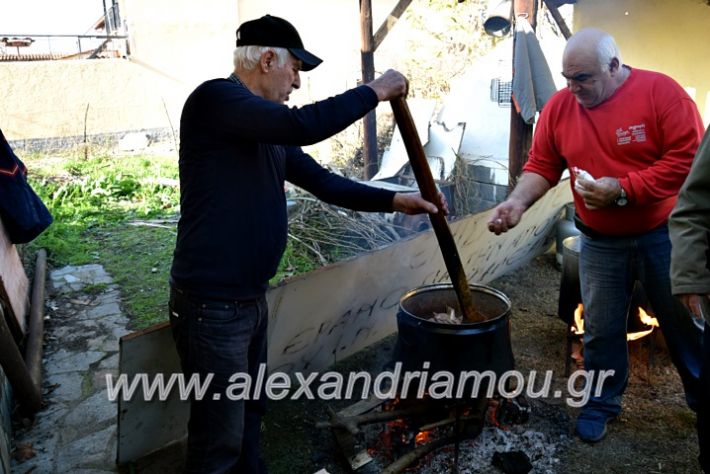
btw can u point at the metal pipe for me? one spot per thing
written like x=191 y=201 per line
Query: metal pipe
x=35 y=333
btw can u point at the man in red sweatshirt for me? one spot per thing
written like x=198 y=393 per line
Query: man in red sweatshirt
x=628 y=136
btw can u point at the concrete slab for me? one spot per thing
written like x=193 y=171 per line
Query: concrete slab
x=85 y=452
x=94 y=410
x=68 y=386
x=65 y=361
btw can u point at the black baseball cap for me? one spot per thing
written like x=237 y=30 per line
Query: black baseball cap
x=274 y=31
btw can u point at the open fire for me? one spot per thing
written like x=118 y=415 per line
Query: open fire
x=424 y=426
x=401 y=435
x=644 y=320
x=639 y=326
x=427 y=436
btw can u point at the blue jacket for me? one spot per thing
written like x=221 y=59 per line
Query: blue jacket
x=23 y=213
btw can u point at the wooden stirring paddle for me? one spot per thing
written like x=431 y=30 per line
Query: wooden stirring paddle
x=427 y=187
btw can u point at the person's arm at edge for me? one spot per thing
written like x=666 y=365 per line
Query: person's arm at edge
x=689 y=230
x=530 y=188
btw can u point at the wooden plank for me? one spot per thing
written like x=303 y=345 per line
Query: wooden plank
x=390 y=21
x=557 y=16
x=14 y=286
x=26 y=392
x=323 y=316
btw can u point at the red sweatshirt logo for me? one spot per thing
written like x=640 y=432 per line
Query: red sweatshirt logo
x=634 y=133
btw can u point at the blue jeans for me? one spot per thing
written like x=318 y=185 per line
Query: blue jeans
x=608 y=268
x=221 y=338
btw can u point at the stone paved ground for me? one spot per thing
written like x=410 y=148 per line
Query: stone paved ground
x=76 y=430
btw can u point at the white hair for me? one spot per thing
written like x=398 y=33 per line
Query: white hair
x=606 y=51
x=247 y=57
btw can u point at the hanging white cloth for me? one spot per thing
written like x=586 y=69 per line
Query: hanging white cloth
x=532 y=80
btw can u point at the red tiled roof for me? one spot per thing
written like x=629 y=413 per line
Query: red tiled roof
x=28 y=57
x=53 y=57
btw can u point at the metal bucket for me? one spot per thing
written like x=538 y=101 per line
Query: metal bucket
x=565 y=229
x=570 y=293
x=453 y=347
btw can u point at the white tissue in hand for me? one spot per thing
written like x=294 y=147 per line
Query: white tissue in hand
x=582 y=174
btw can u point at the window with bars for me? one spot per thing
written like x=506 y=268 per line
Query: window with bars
x=501 y=92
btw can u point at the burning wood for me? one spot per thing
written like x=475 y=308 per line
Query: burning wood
x=447 y=437
x=353 y=423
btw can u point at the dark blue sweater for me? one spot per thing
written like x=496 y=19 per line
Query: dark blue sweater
x=236 y=150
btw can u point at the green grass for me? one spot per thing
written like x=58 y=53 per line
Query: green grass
x=101 y=192
x=138 y=258
x=121 y=212
x=94 y=203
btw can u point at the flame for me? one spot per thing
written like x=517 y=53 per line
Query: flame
x=648 y=321
x=578 y=325
x=422 y=437
x=492 y=413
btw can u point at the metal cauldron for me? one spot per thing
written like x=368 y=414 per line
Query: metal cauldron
x=453 y=347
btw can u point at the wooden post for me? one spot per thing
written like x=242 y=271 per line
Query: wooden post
x=389 y=22
x=370 y=43
x=561 y=24
x=367 y=57
x=520 y=132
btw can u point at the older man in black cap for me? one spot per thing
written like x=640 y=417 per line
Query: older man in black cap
x=238 y=143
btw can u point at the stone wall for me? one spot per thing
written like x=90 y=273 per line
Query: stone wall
x=174 y=45
x=51 y=99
